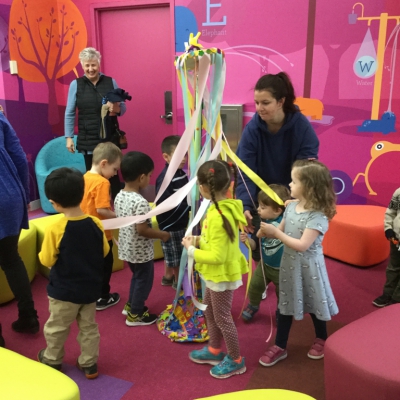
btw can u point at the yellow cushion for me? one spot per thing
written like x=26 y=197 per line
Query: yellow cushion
x=118 y=264
x=27 y=250
x=42 y=223
x=261 y=394
x=22 y=378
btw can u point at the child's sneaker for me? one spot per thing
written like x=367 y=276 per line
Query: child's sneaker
x=273 y=355
x=167 y=282
x=40 y=359
x=138 y=320
x=112 y=300
x=90 y=372
x=317 y=349
x=227 y=368
x=204 y=356
x=382 y=301
x=127 y=308
x=249 y=312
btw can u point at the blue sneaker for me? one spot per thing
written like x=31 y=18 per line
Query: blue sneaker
x=204 y=356
x=227 y=368
x=249 y=312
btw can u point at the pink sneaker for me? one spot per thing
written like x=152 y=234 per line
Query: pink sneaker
x=272 y=356
x=317 y=349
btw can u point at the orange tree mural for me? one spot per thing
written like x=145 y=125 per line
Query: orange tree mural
x=46 y=37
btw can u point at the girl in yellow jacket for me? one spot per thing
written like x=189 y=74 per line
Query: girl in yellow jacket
x=221 y=265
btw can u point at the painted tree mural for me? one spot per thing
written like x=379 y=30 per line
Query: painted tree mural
x=46 y=37
x=4 y=52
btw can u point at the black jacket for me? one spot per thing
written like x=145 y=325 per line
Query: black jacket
x=89 y=101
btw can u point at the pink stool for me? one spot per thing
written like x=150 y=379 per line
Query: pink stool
x=362 y=360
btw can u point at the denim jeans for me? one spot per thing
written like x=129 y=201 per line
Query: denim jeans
x=392 y=284
x=17 y=277
x=141 y=285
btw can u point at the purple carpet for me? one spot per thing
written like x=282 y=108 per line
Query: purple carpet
x=160 y=368
x=103 y=388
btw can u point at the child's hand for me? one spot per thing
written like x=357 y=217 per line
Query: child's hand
x=287 y=202
x=249 y=218
x=389 y=233
x=165 y=236
x=259 y=234
x=267 y=230
x=243 y=237
x=188 y=241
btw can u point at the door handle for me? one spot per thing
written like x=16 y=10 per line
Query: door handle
x=168 y=116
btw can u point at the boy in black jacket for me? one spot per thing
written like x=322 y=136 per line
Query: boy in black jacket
x=176 y=220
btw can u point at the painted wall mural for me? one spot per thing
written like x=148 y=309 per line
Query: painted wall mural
x=47 y=37
x=341 y=57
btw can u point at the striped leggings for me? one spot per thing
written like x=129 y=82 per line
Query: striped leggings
x=220 y=322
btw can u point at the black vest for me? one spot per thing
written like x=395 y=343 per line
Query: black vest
x=88 y=102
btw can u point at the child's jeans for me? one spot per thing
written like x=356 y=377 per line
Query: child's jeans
x=392 y=284
x=107 y=271
x=141 y=285
x=56 y=330
x=220 y=322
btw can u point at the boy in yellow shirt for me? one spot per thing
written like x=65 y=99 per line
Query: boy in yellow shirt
x=74 y=248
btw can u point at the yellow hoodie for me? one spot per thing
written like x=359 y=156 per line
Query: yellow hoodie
x=219 y=259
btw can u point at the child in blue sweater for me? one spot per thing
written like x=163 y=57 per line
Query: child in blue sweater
x=272 y=250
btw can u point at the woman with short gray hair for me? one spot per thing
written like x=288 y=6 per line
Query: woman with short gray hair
x=86 y=95
x=90 y=53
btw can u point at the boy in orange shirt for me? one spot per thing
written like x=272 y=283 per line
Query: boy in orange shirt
x=96 y=202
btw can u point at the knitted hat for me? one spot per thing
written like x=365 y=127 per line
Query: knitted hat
x=117 y=95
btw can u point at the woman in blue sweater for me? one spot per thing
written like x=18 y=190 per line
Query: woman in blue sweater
x=277 y=135
x=14 y=200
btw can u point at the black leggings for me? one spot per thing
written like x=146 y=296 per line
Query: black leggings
x=17 y=277
x=285 y=323
x=115 y=183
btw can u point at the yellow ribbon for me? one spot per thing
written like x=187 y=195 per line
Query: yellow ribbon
x=252 y=175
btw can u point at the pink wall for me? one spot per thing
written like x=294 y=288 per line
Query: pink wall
x=272 y=36
x=266 y=37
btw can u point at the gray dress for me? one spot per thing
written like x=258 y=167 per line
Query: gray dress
x=303 y=280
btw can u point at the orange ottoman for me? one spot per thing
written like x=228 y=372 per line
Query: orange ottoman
x=356 y=235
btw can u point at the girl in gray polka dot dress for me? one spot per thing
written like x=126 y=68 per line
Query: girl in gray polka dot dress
x=303 y=280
